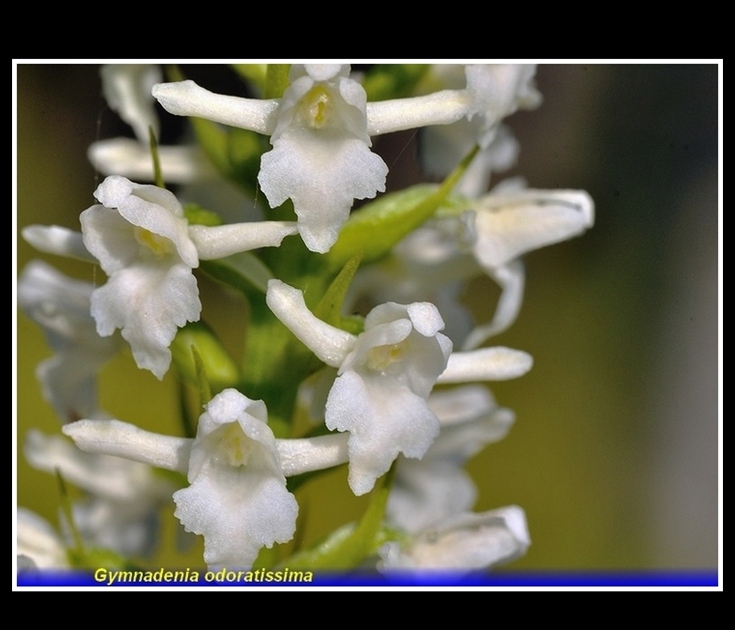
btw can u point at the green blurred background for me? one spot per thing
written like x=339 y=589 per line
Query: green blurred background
x=614 y=454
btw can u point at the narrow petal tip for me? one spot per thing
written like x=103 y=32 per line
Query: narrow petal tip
x=486 y=364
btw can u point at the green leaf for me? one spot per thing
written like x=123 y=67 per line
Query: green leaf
x=187 y=418
x=378 y=226
x=276 y=79
x=329 y=308
x=374 y=229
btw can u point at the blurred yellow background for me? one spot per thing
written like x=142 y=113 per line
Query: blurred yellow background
x=614 y=454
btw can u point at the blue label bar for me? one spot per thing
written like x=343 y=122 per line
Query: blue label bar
x=105 y=578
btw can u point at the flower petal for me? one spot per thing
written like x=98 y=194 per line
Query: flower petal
x=163 y=298
x=145 y=206
x=53 y=239
x=127 y=90
x=512 y=280
x=464 y=543
x=439 y=108
x=328 y=343
x=100 y=474
x=383 y=419
x=225 y=240
x=121 y=439
x=308 y=454
x=486 y=364
x=186 y=98
x=322 y=175
x=128 y=158
x=509 y=225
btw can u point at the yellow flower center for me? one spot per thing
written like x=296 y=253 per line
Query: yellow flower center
x=236 y=447
x=380 y=357
x=159 y=245
x=316 y=108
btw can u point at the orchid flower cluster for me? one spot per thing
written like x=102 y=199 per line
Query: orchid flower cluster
x=359 y=352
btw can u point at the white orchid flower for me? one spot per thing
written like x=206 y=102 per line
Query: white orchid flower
x=462 y=543
x=321 y=142
x=140 y=236
x=148 y=250
x=435 y=261
x=384 y=378
x=237 y=497
x=320 y=131
x=442 y=147
x=497 y=90
x=61 y=306
x=385 y=375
